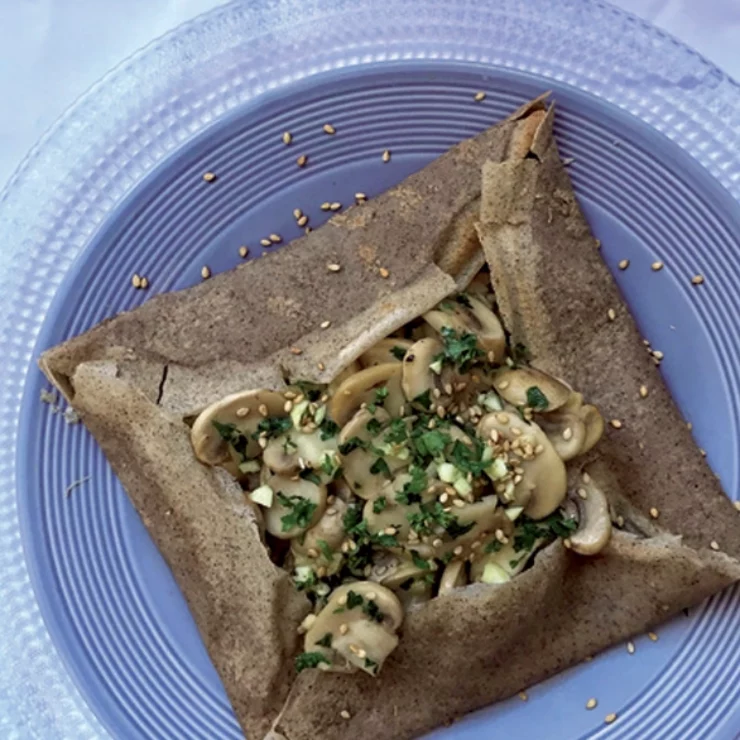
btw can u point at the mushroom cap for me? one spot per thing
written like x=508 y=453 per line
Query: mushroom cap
x=566 y=431
x=478 y=318
x=328 y=529
x=207 y=443
x=398 y=572
x=544 y=481
x=382 y=352
x=357 y=464
x=594 y=423
x=302 y=488
x=453 y=576
x=499 y=563
x=360 y=388
x=594 y=521
x=512 y=385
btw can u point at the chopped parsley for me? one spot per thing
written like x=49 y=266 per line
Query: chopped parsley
x=460 y=350
x=424 y=399
x=386 y=540
x=309 y=475
x=326 y=551
x=354 y=599
x=492 y=546
x=330 y=467
x=431 y=443
x=273 y=426
x=396 y=433
x=398 y=352
x=419 y=561
x=373 y=426
x=528 y=530
x=301 y=511
x=353 y=443
x=310 y=390
x=433 y=515
x=378 y=399
x=380 y=467
x=469 y=459
x=309 y=660
x=372 y=610
x=325 y=641
x=536 y=399
x=328 y=429
x=412 y=489
x=231 y=435
x=463 y=300
x=379 y=504
x=371 y=664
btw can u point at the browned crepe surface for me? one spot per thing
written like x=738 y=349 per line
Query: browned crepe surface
x=476 y=645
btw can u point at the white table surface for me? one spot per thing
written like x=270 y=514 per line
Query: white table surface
x=51 y=51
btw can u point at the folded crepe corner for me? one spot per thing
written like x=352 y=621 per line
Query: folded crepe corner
x=136 y=379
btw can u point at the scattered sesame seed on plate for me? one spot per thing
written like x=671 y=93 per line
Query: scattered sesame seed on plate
x=656 y=266
x=287 y=137
x=631 y=647
x=624 y=264
x=523 y=695
x=610 y=718
x=658 y=355
x=205 y=272
x=325 y=206
x=612 y=314
x=243 y=251
x=136 y=280
x=360 y=196
x=325 y=324
x=736 y=504
x=616 y=423
x=387 y=155
x=144 y=283
x=714 y=545
x=265 y=242
x=303 y=220
x=276 y=238
x=653 y=637
x=697 y=279
x=479 y=96
x=333 y=267
x=335 y=206
x=296 y=350
x=591 y=704
x=383 y=272
x=344 y=714
x=654 y=513
x=297 y=213
x=329 y=129
x=643 y=391
x=321 y=366
x=302 y=160
x=209 y=176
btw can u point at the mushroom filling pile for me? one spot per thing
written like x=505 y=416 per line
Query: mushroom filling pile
x=437 y=460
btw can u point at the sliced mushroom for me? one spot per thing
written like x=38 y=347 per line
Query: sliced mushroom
x=386 y=350
x=418 y=376
x=480 y=287
x=304 y=495
x=358 y=637
x=566 y=431
x=453 y=576
x=407 y=580
x=357 y=465
x=514 y=386
x=594 y=522
x=244 y=411
x=348 y=372
x=594 y=423
x=291 y=452
x=476 y=318
x=544 y=481
x=361 y=387
x=321 y=545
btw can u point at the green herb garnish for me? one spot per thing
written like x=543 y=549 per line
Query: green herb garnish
x=309 y=660
x=380 y=467
x=328 y=429
x=231 y=435
x=353 y=443
x=354 y=599
x=412 y=489
x=326 y=551
x=273 y=426
x=528 y=530
x=379 y=504
x=301 y=511
x=325 y=641
x=460 y=350
x=419 y=561
x=398 y=352
x=536 y=399
x=309 y=475
x=372 y=610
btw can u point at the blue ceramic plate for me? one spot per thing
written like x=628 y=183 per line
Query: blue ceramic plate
x=96 y=637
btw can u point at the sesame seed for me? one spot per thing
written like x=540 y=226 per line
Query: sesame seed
x=343 y=629
x=702 y=452
x=333 y=267
x=567 y=433
x=523 y=695
x=656 y=266
x=714 y=545
x=658 y=355
x=136 y=281
x=502 y=418
x=287 y=138
x=262 y=442
x=144 y=283
x=287 y=406
x=624 y=264
x=276 y=238
x=342 y=600
x=360 y=196
x=736 y=504
x=383 y=272
x=344 y=714
x=209 y=176
x=296 y=350
x=262 y=408
x=297 y=213
x=242 y=411
x=329 y=129
x=697 y=279
x=585 y=477
x=335 y=206
x=616 y=423
x=302 y=160
x=325 y=206
x=389 y=530
x=325 y=324
x=503 y=385
x=654 y=513
x=387 y=155
x=243 y=251
x=643 y=391
x=302 y=220
x=612 y=314
x=265 y=242
x=479 y=96
x=631 y=647
x=620 y=521
x=312 y=553
x=653 y=636
x=597 y=242
x=583 y=493
x=591 y=704
x=610 y=718
x=205 y=272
